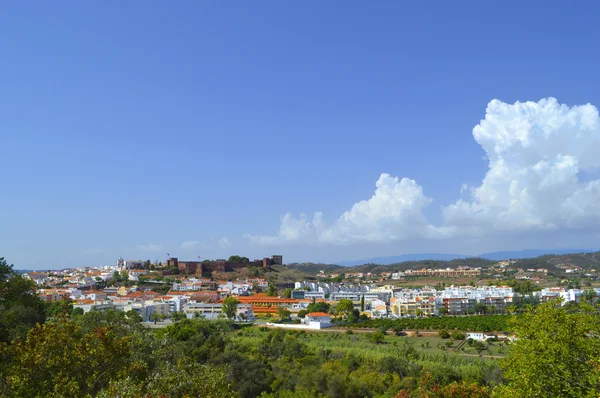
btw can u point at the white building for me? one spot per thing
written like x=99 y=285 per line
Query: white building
x=321 y=318
x=215 y=311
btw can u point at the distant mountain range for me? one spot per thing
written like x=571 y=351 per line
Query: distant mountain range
x=496 y=256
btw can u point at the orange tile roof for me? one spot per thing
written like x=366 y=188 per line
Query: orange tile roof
x=313 y=314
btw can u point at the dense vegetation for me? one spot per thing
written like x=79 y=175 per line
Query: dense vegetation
x=483 y=323
x=53 y=351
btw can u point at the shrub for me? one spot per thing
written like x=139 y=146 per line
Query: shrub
x=377 y=337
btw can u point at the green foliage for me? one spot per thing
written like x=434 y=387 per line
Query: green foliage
x=20 y=307
x=344 y=307
x=302 y=313
x=178 y=316
x=483 y=323
x=230 y=305
x=354 y=316
x=271 y=290
x=57 y=308
x=431 y=388
x=185 y=379
x=377 y=337
x=318 y=307
x=59 y=359
x=283 y=313
x=287 y=293
x=444 y=334
x=278 y=344
x=456 y=335
x=523 y=287
x=557 y=354
x=238 y=259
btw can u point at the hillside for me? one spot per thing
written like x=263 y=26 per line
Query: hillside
x=586 y=261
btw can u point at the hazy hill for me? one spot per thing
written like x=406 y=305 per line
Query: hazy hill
x=497 y=256
x=402 y=258
x=530 y=253
x=585 y=260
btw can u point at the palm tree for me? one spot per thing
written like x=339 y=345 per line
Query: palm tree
x=154 y=317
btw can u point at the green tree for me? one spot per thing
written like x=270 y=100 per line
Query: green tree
x=238 y=259
x=59 y=360
x=133 y=316
x=377 y=337
x=272 y=290
x=230 y=305
x=318 y=307
x=589 y=296
x=354 y=316
x=283 y=313
x=362 y=303
x=178 y=315
x=557 y=354
x=20 y=306
x=183 y=379
x=480 y=308
x=154 y=317
x=344 y=306
x=61 y=307
x=78 y=312
x=124 y=275
x=287 y=293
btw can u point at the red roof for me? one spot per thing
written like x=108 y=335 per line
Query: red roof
x=317 y=314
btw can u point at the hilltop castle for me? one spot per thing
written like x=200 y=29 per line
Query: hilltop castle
x=221 y=265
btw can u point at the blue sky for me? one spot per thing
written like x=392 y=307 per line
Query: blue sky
x=207 y=128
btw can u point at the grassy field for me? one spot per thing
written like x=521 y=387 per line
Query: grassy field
x=430 y=347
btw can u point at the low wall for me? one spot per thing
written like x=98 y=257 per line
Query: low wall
x=310 y=326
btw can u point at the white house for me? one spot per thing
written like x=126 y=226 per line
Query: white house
x=134 y=274
x=322 y=318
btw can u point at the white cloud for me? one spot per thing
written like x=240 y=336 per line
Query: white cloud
x=394 y=212
x=151 y=247
x=192 y=244
x=537 y=152
x=224 y=242
x=543 y=175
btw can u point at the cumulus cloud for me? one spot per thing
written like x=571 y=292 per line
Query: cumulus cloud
x=191 y=244
x=543 y=175
x=151 y=247
x=394 y=212
x=541 y=156
x=224 y=242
